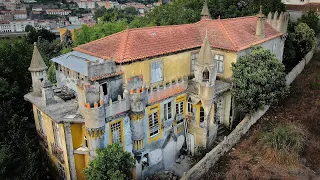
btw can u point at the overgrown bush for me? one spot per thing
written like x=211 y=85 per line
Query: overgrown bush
x=305 y=39
x=111 y=163
x=259 y=80
x=311 y=18
x=283 y=144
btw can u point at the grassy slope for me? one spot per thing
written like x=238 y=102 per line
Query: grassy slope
x=248 y=160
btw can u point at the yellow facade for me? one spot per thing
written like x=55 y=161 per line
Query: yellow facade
x=62 y=31
x=48 y=129
x=78 y=132
x=174 y=67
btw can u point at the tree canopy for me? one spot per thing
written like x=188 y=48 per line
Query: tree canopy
x=311 y=18
x=305 y=39
x=111 y=163
x=259 y=80
x=20 y=155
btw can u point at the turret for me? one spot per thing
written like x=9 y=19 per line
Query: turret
x=205 y=74
x=138 y=101
x=260 y=25
x=38 y=71
x=94 y=116
x=205 y=14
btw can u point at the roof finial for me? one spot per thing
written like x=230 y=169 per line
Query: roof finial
x=219 y=17
x=35 y=43
x=260 y=15
x=205 y=11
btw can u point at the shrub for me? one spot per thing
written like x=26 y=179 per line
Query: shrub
x=259 y=80
x=111 y=163
x=305 y=39
x=283 y=144
x=311 y=18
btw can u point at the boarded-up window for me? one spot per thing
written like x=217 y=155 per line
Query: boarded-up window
x=156 y=71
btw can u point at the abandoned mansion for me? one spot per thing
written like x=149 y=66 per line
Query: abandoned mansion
x=153 y=90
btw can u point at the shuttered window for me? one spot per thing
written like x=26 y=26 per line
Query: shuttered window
x=156 y=71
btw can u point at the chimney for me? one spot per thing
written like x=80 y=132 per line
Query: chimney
x=260 y=25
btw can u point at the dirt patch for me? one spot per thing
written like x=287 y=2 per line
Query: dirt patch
x=302 y=107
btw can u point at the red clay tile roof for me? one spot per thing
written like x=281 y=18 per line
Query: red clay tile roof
x=233 y=34
x=304 y=7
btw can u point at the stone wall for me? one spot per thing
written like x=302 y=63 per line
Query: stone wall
x=203 y=166
x=298 y=68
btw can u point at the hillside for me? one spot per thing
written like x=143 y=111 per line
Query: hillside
x=251 y=160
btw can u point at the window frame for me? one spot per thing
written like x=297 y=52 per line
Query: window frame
x=121 y=135
x=201 y=117
x=180 y=107
x=157 y=70
x=56 y=134
x=155 y=109
x=194 y=57
x=189 y=105
x=40 y=121
x=219 y=61
x=167 y=110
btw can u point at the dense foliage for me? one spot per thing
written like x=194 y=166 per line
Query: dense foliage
x=111 y=163
x=300 y=40
x=113 y=15
x=311 y=18
x=305 y=38
x=87 y=34
x=20 y=155
x=259 y=80
x=34 y=35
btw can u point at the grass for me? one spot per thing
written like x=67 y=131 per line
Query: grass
x=283 y=144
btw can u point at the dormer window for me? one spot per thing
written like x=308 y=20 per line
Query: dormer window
x=205 y=75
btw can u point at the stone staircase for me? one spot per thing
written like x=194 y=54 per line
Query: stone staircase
x=222 y=132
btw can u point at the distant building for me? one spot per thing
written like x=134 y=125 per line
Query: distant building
x=61 y=12
x=87 y=4
x=296 y=7
x=111 y=4
x=71 y=28
x=5 y=27
x=16 y=14
x=299 y=2
x=20 y=25
x=141 y=8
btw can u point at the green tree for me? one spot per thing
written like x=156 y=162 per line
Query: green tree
x=259 y=80
x=34 y=35
x=311 y=18
x=87 y=34
x=305 y=39
x=111 y=163
x=20 y=155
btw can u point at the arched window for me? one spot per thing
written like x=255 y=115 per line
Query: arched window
x=189 y=105
x=205 y=75
x=201 y=114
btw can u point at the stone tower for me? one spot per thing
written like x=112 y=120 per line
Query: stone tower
x=205 y=14
x=260 y=25
x=38 y=71
x=205 y=75
x=94 y=116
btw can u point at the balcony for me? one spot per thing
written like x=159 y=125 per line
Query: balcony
x=57 y=152
x=43 y=138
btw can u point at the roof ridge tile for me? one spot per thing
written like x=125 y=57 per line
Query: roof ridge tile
x=235 y=47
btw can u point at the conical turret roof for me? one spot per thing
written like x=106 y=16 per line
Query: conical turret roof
x=37 y=63
x=205 y=55
x=205 y=11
